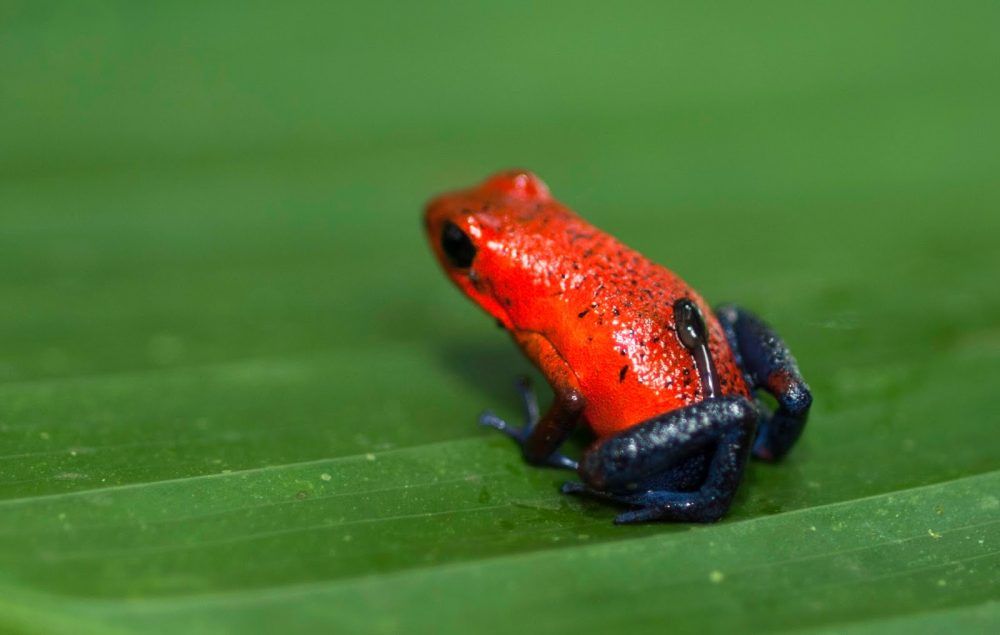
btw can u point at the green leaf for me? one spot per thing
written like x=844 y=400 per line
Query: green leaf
x=236 y=395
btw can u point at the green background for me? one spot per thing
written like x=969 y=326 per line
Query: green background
x=236 y=394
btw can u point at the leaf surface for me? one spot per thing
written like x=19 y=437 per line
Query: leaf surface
x=236 y=395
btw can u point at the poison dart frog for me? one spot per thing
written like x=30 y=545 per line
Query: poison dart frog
x=666 y=383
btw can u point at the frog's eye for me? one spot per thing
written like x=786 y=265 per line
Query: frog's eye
x=457 y=246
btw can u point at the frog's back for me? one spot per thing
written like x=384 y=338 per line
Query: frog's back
x=609 y=312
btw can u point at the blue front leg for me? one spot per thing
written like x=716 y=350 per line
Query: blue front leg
x=539 y=437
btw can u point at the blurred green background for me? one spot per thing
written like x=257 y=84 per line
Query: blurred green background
x=236 y=394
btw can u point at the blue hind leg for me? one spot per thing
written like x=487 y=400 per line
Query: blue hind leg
x=768 y=365
x=684 y=465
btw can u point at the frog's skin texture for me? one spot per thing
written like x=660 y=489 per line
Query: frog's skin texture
x=665 y=383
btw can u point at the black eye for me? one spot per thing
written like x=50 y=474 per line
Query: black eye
x=457 y=246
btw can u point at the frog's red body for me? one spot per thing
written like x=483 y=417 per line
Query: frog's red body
x=606 y=309
x=601 y=323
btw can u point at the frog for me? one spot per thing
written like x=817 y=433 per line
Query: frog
x=671 y=389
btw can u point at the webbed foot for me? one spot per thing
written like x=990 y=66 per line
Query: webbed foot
x=699 y=507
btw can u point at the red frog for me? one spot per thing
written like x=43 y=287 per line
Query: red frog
x=665 y=383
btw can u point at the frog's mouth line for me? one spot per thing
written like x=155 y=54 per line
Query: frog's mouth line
x=485 y=288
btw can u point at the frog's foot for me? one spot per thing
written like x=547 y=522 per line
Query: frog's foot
x=576 y=488
x=702 y=506
x=520 y=435
x=642 y=514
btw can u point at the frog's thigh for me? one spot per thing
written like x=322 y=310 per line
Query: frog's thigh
x=622 y=467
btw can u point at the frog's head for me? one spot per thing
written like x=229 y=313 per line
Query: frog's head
x=476 y=234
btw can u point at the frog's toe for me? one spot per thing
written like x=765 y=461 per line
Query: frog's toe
x=520 y=436
x=573 y=487
x=562 y=461
x=528 y=400
x=688 y=507
x=490 y=420
x=642 y=515
x=577 y=488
